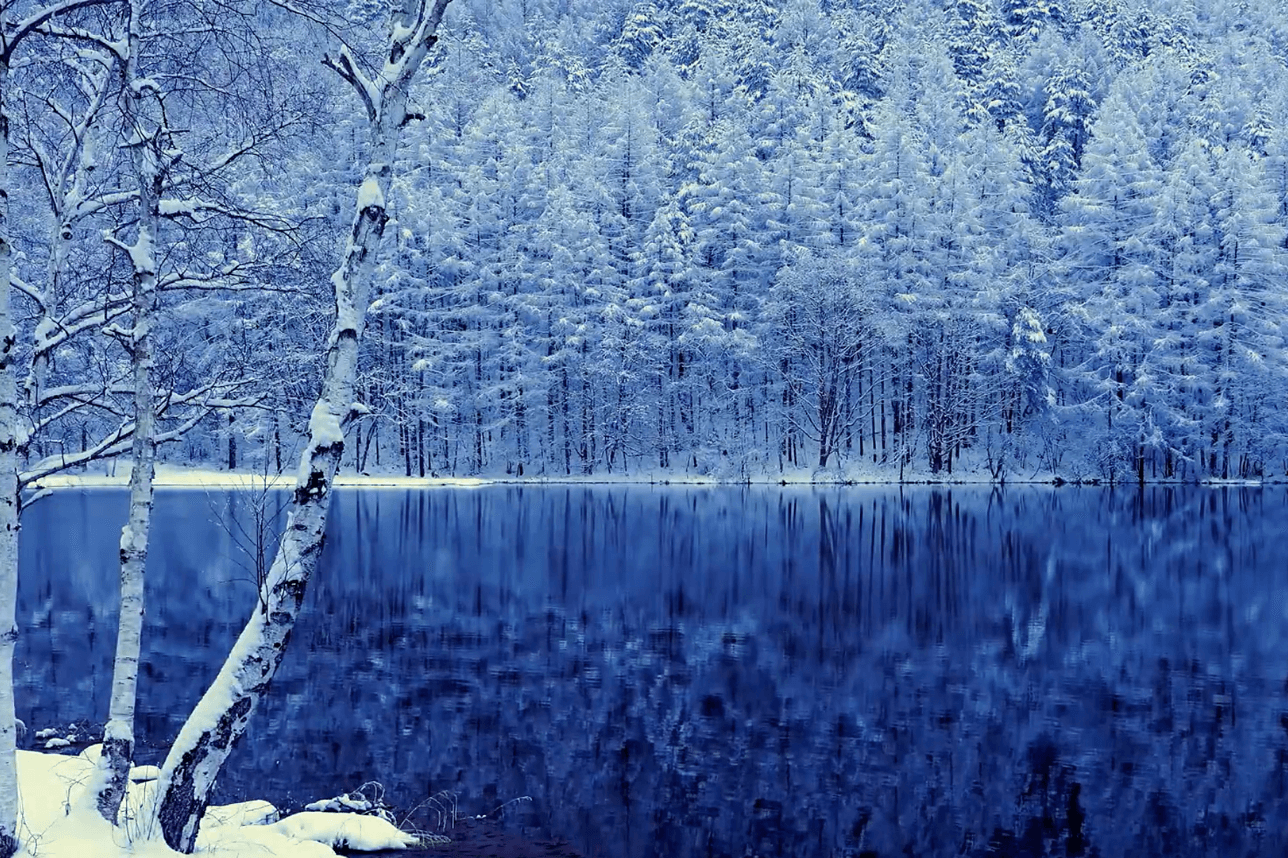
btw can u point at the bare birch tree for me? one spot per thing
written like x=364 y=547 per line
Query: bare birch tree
x=104 y=71
x=145 y=135
x=12 y=35
x=195 y=758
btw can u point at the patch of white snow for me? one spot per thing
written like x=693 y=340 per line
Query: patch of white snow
x=169 y=208
x=324 y=427
x=370 y=194
x=241 y=814
x=144 y=774
x=344 y=830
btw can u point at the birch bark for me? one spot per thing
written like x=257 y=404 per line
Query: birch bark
x=8 y=485
x=143 y=135
x=8 y=500
x=195 y=758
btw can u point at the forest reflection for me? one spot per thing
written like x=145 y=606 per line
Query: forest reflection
x=730 y=671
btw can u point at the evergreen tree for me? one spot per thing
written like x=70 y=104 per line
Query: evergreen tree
x=1108 y=251
x=1027 y=18
x=1066 y=123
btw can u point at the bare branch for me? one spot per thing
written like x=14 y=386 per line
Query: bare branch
x=9 y=41
x=204 y=399
x=347 y=69
x=117 y=49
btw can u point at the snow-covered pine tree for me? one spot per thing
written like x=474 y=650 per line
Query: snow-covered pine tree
x=1105 y=223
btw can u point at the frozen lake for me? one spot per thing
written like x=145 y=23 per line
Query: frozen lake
x=726 y=672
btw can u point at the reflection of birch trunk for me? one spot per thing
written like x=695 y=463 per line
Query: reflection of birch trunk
x=193 y=764
x=112 y=774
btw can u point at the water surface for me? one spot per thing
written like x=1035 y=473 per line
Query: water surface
x=730 y=672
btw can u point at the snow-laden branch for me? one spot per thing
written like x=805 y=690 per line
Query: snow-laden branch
x=204 y=400
x=16 y=33
x=201 y=211
x=80 y=392
x=117 y=48
x=95 y=399
x=92 y=313
x=366 y=89
x=93 y=205
x=101 y=313
x=27 y=289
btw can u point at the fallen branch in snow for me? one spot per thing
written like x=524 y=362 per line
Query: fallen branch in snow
x=368 y=800
x=357 y=802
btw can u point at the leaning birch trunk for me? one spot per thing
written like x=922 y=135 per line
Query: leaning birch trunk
x=107 y=788
x=8 y=499
x=191 y=767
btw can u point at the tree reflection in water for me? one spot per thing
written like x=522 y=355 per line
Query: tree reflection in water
x=723 y=671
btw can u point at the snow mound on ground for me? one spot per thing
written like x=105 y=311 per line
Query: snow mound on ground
x=240 y=814
x=345 y=831
x=53 y=823
x=254 y=840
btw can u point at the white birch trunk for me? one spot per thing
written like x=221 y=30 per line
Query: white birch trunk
x=193 y=764
x=107 y=789
x=8 y=499
x=12 y=33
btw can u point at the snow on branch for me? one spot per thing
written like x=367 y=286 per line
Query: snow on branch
x=347 y=69
x=27 y=289
x=117 y=48
x=32 y=23
x=83 y=317
x=201 y=211
x=204 y=400
x=142 y=252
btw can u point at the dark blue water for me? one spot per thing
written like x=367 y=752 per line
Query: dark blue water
x=730 y=672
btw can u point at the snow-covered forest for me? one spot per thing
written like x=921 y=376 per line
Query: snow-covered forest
x=734 y=238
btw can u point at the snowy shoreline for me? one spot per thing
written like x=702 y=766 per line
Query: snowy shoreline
x=176 y=477
x=57 y=823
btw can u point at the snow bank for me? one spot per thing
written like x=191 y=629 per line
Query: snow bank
x=344 y=830
x=54 y=824
x=171 y=477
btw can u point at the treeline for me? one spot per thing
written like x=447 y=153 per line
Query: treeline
x=744 y=238
x=747 y=238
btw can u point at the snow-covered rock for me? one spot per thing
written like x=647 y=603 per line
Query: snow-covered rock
x=144 y=774
x=241 y=814
x=344 y=830
x=57 y=825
